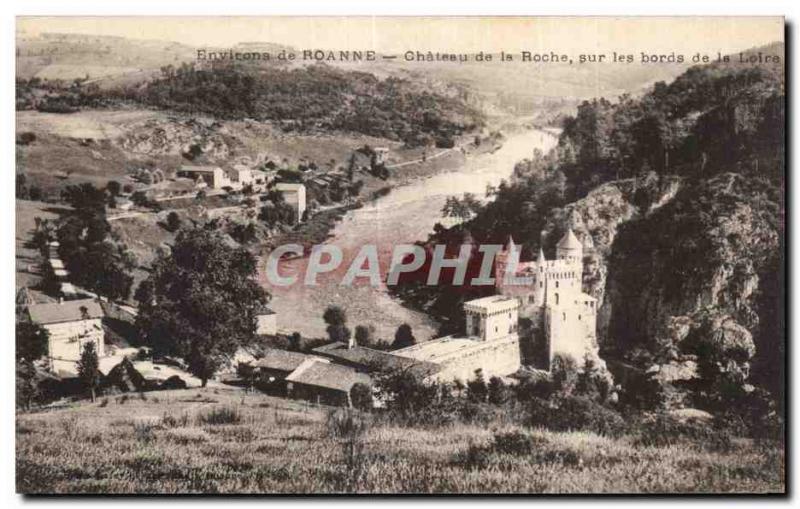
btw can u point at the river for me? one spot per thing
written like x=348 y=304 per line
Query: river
x=406 y=215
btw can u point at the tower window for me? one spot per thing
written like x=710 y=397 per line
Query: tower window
x=556 y=284
x=563 y=316
x=556 y=295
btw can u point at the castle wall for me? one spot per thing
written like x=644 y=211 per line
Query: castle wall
x=496 y=358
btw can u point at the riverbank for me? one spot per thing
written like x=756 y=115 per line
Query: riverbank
x=407 y=214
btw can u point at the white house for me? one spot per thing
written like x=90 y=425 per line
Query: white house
x=241 y=176
x=212 y=176
x=267 y=322
x=71 y=325
x=294 y=195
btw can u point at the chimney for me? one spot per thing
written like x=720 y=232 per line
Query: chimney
x=351 y=342
x=61 y=300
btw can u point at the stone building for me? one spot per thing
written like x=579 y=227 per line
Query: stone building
x=71 y=325
x=491 y=343
x=294 y=195
x=205 y=176
x=550 y=298
x=563 y=318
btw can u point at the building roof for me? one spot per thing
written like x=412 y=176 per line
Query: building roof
x=56 y=263
x=327 y=375
x=281 y=360
x=67 y=311
x=569 y=241
x=370 y=358
x=206 y=169
x=289 y=186
x=492 y=303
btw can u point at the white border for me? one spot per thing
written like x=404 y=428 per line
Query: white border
x=10 y=9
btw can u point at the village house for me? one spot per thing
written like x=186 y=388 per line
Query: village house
x=273 y=368
x=240 y=176
x=294 y=195
x=266 y=322
x=366 y=360
x=323 y=382
x=124 y=204
x=205 y=176
x=381 y=153
x=71 y=325
x=307 y=377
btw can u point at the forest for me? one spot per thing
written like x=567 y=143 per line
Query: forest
x=314 y=98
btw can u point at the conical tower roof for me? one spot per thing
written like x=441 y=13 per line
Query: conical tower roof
x=510 y=245
x=569 y=241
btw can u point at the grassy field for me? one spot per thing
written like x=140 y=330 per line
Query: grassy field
x=221 y=441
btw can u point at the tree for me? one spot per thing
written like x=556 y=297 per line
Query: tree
x=403 y=337
x=200 y=301
x=32 y=341
x=173 y=221
x=89 y=369
x=497 y=391
x=27 y=384
x=336 y=318
x=295 y=341
x=477 y=390
x=365 y=335
x=113 y=187
x=86 y=199
x=361 y=396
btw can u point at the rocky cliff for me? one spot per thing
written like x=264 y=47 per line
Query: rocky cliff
x=683 y=268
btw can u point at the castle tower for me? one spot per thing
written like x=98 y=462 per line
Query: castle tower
x=491 y=318
x=569 y=248
x=502 y=261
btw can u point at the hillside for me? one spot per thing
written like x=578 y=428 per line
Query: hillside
x=226 y=441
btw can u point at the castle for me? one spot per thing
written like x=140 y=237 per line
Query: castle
x=561 y=317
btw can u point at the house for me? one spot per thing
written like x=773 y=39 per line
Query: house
x=241 y=176
x=71 y=325
x=266 y=322
x=381 y=154
x=124 y=204
x=211 y=176
x=294 y=195
x=323 y=382
x=273 y=368
x=68 y=290
x=367 y=360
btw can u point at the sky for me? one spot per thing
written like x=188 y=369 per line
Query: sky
x=444 y=34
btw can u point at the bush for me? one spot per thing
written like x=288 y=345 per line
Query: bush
x=221 y=415
x=516 y=442
x=361 y=397
x=568 y=413
x=662 y=430
x=173 y=221
x=346 y=424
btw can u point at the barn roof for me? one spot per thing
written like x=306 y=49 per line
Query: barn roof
x=369 y=358
x=329 y=376
x=281 y=360
x=67 y=311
